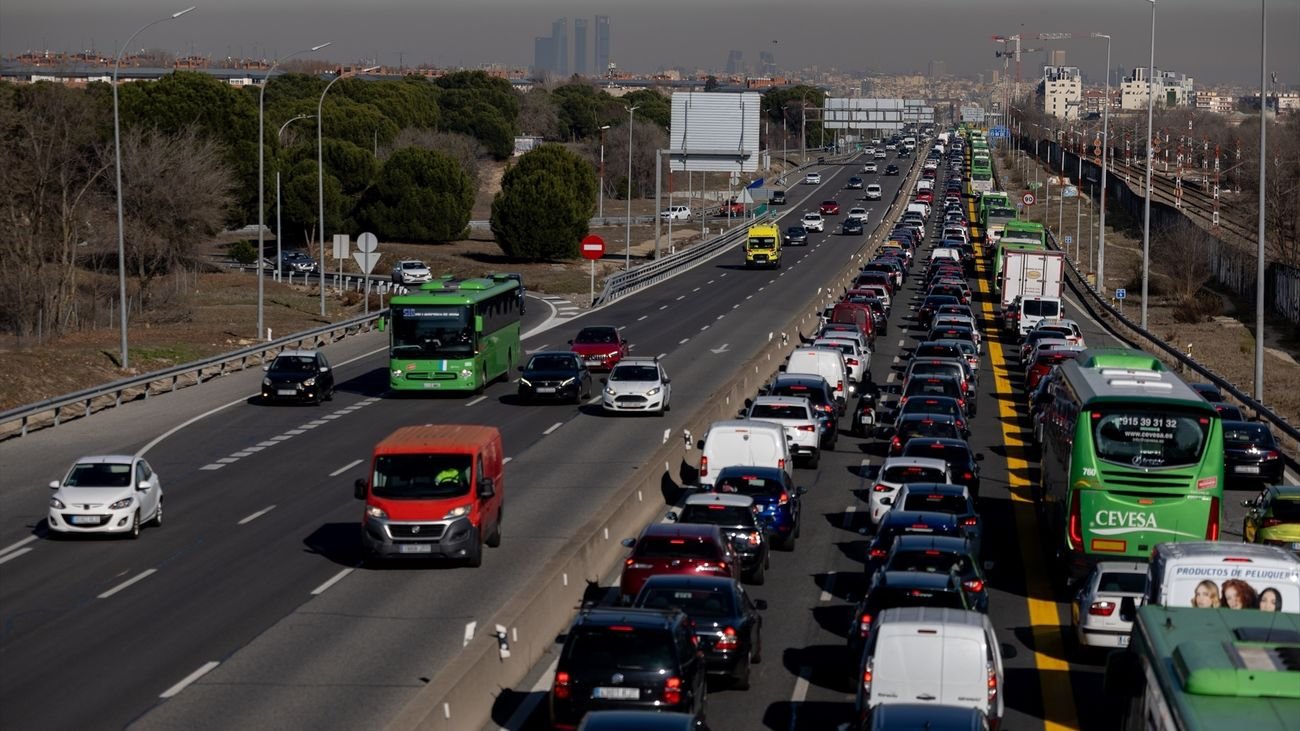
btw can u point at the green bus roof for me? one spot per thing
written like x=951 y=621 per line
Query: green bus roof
x=448 y=290
x=1121 y=358
x=1225 y=667
x=1117 y=375
x=1023 y=225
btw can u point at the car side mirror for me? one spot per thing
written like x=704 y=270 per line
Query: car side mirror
x=142 y=485
x=760 y=604
x=324 y=369
x=570 y=342
x=486 y=488
x=801 y=490
x=266 y=367
x=979 y=456
x=1244 y=503
x=667 y=381
x=359 y=488
x=886 y=501
x=672 y=516
x=54 y=484
x=699 y=444
x=628 y=542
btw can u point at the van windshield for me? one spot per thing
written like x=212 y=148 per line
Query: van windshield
x=762 y=242
x=1041 y=308
x=421 y=476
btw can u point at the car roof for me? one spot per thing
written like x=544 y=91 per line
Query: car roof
x=915 y=579
x=641 y=360
x=783 y=400
x=693 y=581
x=930 y=462
x=800 y=378
x=680 y=530
x=297 y=353
x=728 y=499
x=638 y=720
x=565 y=353
x=106 y=459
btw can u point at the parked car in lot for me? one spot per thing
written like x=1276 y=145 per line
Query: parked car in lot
x=411 y=271
x=728 y=626
x=106 y=494
x=554 y=375
x=778 y=501
x=737 y=518
x=298 y=375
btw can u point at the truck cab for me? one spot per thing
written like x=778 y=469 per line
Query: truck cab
x=763 y=246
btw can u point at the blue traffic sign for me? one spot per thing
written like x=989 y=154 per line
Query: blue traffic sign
x=1069 y=239
x=1120 y=293
x=998 y=131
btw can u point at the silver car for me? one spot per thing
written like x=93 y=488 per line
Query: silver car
x=411 y=271
x=112 y=494
x=637 y=384
x=814 y=222
x=803 y=430
x=1103 y=610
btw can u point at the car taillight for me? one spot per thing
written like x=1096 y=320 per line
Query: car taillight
x=866 y=679
x=807 y=427
x=1102 y=609
x=969 y=522
x=993 y=682
x=1076 y=523
x=704 y=466
x=726 y=640
x=973 y=585
x=894 y=442
x=1270 y=454
x=864 y=624
x=962 y=403
x=1212 y=523
x=1270 y=522
x=851 y=361
x=967 y=476
x=672 y=691
x=780 y=463
x=881 y=488
x=839 y=385
x=561 y=688
x=878 y=553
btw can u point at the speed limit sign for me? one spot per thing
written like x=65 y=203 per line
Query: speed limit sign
x=1028 y=199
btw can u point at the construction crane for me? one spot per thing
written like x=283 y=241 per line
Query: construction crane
x=1004 y=53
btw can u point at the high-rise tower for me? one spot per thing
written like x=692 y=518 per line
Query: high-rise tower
x=602 y=45
x=560 y=42
x=580 y=53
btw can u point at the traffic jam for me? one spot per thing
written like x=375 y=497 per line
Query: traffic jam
x=687 y=615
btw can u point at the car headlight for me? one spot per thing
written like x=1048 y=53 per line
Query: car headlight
x=458 y=512
x=121 y=504
x=653 y=391
x=309 y=382
x=609 y=391
x=57 y=503
x=566 y=382
x=525 y=382
x=266 y=382
x=374 y=511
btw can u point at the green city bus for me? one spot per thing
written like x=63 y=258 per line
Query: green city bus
x=1191 y=669
x=981 y=179
x=1131 y=457
x=988 y=201
x=453 y=334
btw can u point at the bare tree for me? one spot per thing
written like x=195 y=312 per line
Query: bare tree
x=538 y=115
x=460 y=147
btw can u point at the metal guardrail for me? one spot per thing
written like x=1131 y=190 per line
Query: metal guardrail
x=485 y=225
x=54 y=411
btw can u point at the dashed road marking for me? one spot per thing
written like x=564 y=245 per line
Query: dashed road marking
x=189 y=679
x=129 y=582
x=345 y=468
x=336 y=578
x=257 y=515
x=553 y=427
x=480 y=399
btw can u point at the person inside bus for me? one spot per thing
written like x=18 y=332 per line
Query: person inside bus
x=1206 y=596
x=1237 y=594
x=1270 y=600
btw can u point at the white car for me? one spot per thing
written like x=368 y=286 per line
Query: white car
x=1069 y=329
x=870 y=167
x=814 y=222
x=1103 y=610
x=812 y=179
x=898 y=471
x=637 y=384
x=411 y=271
x=859 y=213
x=114 y=494
x=880 y=155
x=873 y=191
x=857 y=359
x=795 y=414
x=676 y=213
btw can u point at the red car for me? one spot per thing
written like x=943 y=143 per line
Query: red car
x=692 y=549
x=830 y=208
x=925 y=196
x=601 y=346
x=1043 y=365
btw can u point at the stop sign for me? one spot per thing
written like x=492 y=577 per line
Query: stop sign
x=593 y=247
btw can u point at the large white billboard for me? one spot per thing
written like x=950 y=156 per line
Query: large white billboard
x=876 y=114
x=715 y=132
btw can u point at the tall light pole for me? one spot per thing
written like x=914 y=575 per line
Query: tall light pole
x=1105 y=153
x=1259 y=270
x=601 y=213
x=320 y=181
x=627 y=241
x=1146 y=206
x=117 y=152
x=261 y=184
x=278 y=235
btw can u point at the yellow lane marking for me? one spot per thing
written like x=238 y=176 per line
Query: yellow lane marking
x=1044 y=616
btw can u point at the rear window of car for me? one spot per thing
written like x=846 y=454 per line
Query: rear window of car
x=750 y=485
x=1053 y=357
x=930 y=562
x=944 y=407
x=890 y=597
x=1122 y=581
x=1287 y=510
x=937 y=350
x=619 y=649
x=932 y=387
x=694 y=602
x=660 y=547
x=936 y=503
x=953 y=455
x=905 y=474
x=941 y=429
x=778 y=411
x=816 y=395
x=1245 y=435
x=717 y=514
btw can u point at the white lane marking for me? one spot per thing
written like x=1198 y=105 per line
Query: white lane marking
x=242 y=399
x=307 y=426
x=639 y=319
x=189 y=679
x=736 y=306
x=507 y=459
x=706 y=327
x=798 y=695
x=679 y=299
x=471 y=402
x=890 y=378
x=138 y=577
x=830 y=583
x=331 y=417
x=682 y=341
x=722 y=275
x=256 y=515
x=901 y=342
x=709 y=282
x=719 y=317
x=18 y=545
x=244 y=453
x=897 y=359
x=663 y=307
x=536 y=695
x=6 y=557
x=345 y=468
x=266 y=444
x=280 y=438
x=696 y=289
x=595 y=399
x=543 y=346
x=212 y=466
x=661 y=356
x=554 y=426
x=848 y=516
x=336 y=578
x=229 y=460
x=295 y=432
x=749 y=297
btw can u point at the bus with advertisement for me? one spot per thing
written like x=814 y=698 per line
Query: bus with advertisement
x=453 y=335
x=1132 y=457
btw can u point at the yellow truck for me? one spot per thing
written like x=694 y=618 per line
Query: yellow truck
x=763 y=246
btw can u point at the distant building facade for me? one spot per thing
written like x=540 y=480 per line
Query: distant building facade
x=1062 y=90
x=1171 y=89
x=602 y=45
x=735 y=63
x=581 y=55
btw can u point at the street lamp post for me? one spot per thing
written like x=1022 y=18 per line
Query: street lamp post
x=279 y=236
x=1105 y=154
x=601 y=213
x=1146 y=206
x=261 y=184
x=320 y=182
x=627 y=240
x=1259 y=271
x=117 y=152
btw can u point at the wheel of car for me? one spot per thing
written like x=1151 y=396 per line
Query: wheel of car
x=759 y=575
x=756 y=655
x=135 y=526
x=157 y=514
x=494 y=538
x=474 y=556
x=741 y=678
x=329 y=396
x=814 y=459
x=787 y=544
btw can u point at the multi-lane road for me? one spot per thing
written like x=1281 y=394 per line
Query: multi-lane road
x=249 y=608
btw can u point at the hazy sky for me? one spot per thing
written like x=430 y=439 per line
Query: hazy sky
x=1214 y=41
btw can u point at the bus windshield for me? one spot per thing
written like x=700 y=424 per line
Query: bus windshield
x=1148 y=438
x=432 y=331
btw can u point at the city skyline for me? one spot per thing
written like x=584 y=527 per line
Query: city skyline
x=394 y=32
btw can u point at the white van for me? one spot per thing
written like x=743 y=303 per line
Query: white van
x=945 y=252
x=942 y=657
x=828 y=364
x=744 y=443
x=1214 y=574
x=918 y=207
x=924 y=184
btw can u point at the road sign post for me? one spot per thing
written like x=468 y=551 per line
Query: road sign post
x=366 y=258
x=342 y=243
x=1028 y=199
x=1120 y=295
x=593 y=248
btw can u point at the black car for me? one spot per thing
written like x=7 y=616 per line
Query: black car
x=894 y=523
x=931 y=303
x=963 y=463
x=1208 y=391
x=911 y=716
x=1251 y=453
x=893 y=589
x=728 y=627
x=519 y=293
x=554 y=375
x=852 y=227
x=737 y=517
x=941 y=555
x=796 y=236
x=777 y=198
x=296 y=262
x=641 y=721
x=891 y=170
x=855 y=183
x=932 y=349
x=922 y=425
x=938 y=406
x=816 y=390
x=298 y=375
x=623 y=658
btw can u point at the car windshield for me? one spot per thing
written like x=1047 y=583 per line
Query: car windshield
x=293 y=364
x=1124 y=581
x=413 y=265
x=552 y=363
x=99 y=475
x=1287 y=510
x=936 y=503
x=717 y=514
x=796 y=231
x=432 y=331
x=634 y=373
x=596 y=335
x=930 y=562
x=602 y=649
x=1041 y=308
x=889 y=597
x=420 y=476
x=694 y=602
x=659 y=547
x=1148 y=438
x=778 y=411
x=906 y=474
x=750 y=485
x=1244 y=435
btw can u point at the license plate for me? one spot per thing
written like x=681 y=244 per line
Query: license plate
x=1123 y=640
x=433 y=385
x=415 y=548
x=867 y=419
x=545 y=389
x=1295 y=546
x=617 y=694
x=595 y=359
x=1248 y=469
x=85 y=520
x=286 y=392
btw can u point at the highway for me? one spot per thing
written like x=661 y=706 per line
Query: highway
x=249 y=608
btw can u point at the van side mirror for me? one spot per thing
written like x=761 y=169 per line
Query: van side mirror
x=359 y=488
x=1008 y=650
x=486 y=488
x=672 y=516
x=760 y=604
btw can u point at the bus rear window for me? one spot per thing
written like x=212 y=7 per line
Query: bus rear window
x=1149 y=439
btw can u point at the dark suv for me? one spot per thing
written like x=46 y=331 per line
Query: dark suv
x=627 y=658
x=891 y=589
x=298 y=375
x=728 y=627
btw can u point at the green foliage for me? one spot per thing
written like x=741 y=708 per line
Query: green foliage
x=545 y=204
x=482 y=106
x=363 y=125
x=410 y=102
x=577 y=104
x=300 y=207
x=243 y=251
x=711 y=83
x=654 y=107
x=419 y=195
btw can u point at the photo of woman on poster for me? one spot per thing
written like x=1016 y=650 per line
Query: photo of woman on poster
x=1206 y=596
x=1270 y=600
x=1237 y=594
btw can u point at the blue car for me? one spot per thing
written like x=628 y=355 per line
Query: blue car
x=775 y=496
